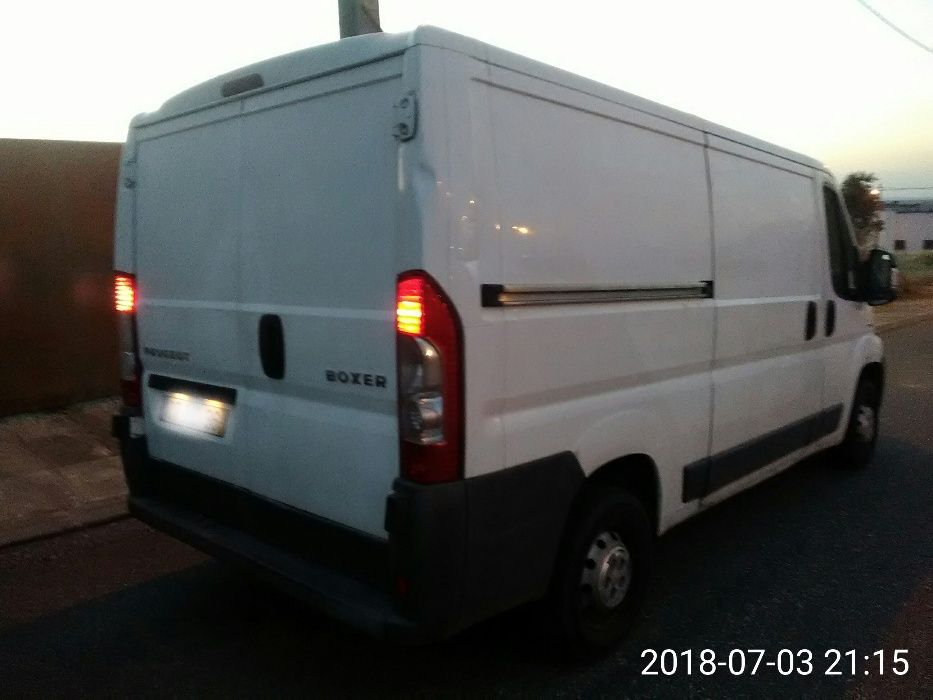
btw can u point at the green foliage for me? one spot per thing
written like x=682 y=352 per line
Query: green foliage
x=864 y=207
x=915 y=262
x=916 y=272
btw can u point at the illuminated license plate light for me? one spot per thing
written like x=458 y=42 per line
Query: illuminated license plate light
x=195 y=413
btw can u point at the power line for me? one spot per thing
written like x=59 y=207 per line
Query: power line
x=894 y=26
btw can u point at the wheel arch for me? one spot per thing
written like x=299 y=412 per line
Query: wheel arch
x=637 y=474
x=875 y=372
x=867 y=356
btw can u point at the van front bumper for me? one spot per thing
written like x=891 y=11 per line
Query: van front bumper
x=455 y=553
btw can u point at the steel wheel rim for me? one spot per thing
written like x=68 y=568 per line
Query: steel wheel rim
x=865 y=423
x=607 y=572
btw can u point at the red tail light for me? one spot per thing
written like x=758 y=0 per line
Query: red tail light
x=430 y=381
x=409 y=306
x=124 y=293
x=124 y=296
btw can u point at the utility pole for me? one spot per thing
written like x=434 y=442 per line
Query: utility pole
x=358 y=17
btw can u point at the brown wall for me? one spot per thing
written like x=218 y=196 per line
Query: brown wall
x=57 y=324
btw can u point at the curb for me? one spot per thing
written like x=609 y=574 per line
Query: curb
x=67 y=530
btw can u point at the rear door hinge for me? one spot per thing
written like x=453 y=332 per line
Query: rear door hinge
x=406 y=117
x=128 y=172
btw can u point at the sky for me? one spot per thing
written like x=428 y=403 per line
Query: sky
x=823 y=77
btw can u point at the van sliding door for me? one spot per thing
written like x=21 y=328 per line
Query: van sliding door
x=768 y=374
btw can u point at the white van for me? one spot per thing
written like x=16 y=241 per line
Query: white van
x=422 y=330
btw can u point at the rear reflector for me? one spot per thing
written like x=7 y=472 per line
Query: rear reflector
x=124 y=293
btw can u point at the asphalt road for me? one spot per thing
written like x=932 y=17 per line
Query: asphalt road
x=814 y=559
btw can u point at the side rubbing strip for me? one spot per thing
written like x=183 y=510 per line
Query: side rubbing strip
x=696 y=480
x=494 y=295
x=708 y=475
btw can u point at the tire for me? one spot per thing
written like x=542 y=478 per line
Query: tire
x=858 y=446
x=602 y=571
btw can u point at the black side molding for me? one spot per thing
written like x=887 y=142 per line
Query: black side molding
x=696 y=480
x=708 y=475
x=186 y=386
x=244 y=83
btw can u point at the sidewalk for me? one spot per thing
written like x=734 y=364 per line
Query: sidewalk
x=59 y=471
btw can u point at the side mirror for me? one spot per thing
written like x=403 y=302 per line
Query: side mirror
x=879 y=272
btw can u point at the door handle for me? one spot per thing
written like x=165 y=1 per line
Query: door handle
x=830 y=317
x=811 y=320
x=272 y=346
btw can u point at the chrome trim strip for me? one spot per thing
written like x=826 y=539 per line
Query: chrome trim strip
x=495 y=295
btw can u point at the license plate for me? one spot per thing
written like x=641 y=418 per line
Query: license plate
x=196 y=413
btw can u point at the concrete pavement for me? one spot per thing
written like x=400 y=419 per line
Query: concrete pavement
x=59 y=471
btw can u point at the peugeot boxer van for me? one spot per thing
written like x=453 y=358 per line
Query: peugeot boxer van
x=421 y=330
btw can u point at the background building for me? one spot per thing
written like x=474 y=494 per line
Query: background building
x=908 y=225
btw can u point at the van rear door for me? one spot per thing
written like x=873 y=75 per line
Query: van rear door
x=318 y=266
x=267 y=265
x=187 y=258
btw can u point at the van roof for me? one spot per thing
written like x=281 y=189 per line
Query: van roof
x=327 y=58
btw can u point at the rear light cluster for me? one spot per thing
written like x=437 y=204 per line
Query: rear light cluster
x=124 y=293
x=125 y=300
x=430 y=381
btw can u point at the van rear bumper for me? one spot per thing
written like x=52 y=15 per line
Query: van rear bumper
x=455 y=554
x=363 y=606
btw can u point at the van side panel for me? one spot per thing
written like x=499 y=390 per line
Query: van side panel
x=592 y=195
x=465 y=190
x=768 y=376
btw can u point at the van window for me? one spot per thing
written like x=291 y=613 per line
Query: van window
x=843 y=255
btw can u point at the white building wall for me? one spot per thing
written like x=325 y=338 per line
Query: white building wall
x=911 y=227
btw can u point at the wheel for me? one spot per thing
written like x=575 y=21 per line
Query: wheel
x=858 y=447
x=602 y=571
